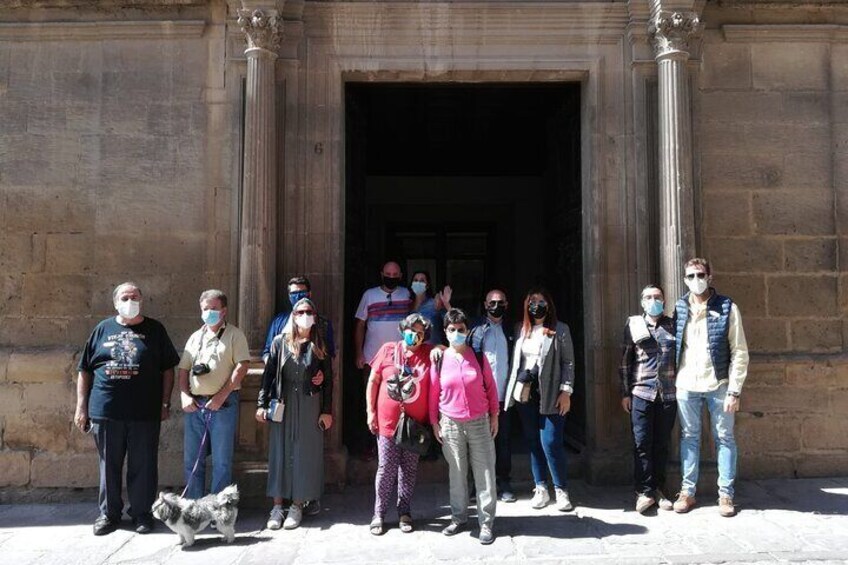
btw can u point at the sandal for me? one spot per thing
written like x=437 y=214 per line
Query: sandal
x=376 y=527
x=405 y=523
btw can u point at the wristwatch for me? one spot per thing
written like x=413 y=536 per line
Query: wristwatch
x=733 y=394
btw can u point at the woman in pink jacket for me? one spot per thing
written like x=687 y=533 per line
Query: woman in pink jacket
x=464 y=413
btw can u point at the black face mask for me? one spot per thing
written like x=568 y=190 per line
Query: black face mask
x=391 y=282
x=496 y=311
x=538 y=309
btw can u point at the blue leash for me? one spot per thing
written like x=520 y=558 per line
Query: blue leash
x=206 y=419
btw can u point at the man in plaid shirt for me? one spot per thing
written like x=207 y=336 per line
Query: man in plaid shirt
x=648 y=395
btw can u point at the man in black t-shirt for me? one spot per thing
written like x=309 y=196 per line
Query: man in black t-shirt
x=126 y=374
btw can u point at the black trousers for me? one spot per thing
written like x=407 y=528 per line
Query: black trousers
x=652 y=423
x=503 y=452
x=138 y=443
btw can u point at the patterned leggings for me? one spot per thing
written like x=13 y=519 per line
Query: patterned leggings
x=396 y=469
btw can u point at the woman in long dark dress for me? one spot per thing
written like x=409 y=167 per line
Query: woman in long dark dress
x=298 y=374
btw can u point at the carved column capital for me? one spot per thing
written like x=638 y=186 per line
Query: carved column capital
x=672 y=31
x=262 y=31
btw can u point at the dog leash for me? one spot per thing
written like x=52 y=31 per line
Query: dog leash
x=206 y=419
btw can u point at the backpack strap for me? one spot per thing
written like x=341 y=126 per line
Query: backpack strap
x=638 y=328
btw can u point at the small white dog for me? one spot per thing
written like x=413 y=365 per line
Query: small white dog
x=187 y=517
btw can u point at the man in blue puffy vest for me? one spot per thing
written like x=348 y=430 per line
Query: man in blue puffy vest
x=712 y=363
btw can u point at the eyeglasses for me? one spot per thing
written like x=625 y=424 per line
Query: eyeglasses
x=691 y=276
x=304 y=313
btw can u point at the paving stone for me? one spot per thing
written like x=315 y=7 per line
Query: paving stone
x=779 y=520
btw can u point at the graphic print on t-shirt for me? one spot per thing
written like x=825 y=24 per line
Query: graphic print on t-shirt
x=410 y=377
x=124 y=352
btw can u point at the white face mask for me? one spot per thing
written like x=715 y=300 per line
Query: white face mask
x=697 y=286
x=304 y=322
x=419 y=287
x=128 y=308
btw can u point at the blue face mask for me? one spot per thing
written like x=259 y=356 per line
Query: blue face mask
x=653 y=307
x=457 y=338
x=410 y=338
x=211 y=317
x=295 y=296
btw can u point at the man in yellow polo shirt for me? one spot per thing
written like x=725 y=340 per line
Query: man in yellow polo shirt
x=210 y=373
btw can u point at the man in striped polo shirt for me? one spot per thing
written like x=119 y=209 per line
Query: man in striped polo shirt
x=377 y=318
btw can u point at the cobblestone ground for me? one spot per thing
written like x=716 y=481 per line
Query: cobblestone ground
x=778 y=521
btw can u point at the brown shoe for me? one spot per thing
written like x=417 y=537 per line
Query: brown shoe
x=684 y=503
x=643 y=502
x=725 y=507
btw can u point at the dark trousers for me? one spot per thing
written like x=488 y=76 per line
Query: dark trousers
x=360 y=439
x=503 y=452
x=138 y=442
x=652 y=423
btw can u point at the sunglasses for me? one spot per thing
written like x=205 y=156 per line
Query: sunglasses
x=691 y=276
x=497 y=302
x=304 y=313
x=389 y=298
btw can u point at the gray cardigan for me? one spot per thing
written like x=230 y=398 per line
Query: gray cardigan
x=557 y=369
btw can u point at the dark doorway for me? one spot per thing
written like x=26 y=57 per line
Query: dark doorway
x=480 y=185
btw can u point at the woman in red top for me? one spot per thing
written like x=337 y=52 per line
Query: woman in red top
x=405 y=365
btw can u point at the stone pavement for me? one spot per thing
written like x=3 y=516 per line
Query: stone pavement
x=778 y=521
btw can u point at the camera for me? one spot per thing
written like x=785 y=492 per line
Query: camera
x=200 y=369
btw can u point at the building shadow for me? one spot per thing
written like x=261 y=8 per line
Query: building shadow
x=827 y=496
x=565 y=526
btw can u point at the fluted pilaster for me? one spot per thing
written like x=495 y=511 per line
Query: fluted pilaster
x=257 y=260
x=671 y=33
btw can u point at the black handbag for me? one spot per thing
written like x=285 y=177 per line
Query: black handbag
x=412 y=436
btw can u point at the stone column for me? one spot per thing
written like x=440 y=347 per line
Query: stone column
x=257 y=252
x=671 y=32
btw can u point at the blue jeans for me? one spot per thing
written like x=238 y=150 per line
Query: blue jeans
x=221 y=438
x=689 y=406
x=545 y=436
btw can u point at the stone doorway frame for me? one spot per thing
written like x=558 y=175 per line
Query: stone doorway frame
x=587 y=72
x=339 y=43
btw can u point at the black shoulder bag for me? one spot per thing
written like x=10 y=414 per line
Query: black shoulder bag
x=409 y=434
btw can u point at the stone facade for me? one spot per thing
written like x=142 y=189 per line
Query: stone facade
x=123 y=145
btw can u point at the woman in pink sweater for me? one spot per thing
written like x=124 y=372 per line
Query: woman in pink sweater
x=464 y=413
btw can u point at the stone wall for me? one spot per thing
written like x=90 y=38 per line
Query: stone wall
x=116 y=163
x=771 y=128
x=119 y=144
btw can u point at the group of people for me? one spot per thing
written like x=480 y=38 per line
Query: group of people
x=676 y=366
x=425 y=364
x=460 y=388
x=124 y=386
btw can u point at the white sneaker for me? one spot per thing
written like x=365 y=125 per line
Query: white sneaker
x=563 y=503
x=541 y=498
x=294 y=517
x=275 y=520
